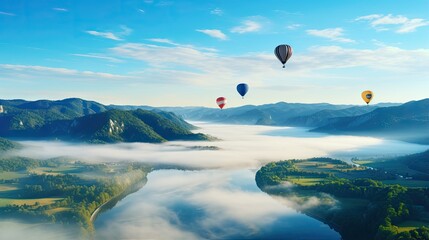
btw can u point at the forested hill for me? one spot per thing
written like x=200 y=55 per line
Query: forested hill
x=7 y=145
x=409 y=121
x=80 y=120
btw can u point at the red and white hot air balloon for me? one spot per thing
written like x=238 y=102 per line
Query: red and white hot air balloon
x=221 y=101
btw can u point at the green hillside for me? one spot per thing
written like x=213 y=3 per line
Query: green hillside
x=7 y=145
x=80 y=120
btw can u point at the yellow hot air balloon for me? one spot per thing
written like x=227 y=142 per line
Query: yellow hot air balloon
x=367 y=96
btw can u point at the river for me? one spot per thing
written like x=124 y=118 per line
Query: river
x=220 y=200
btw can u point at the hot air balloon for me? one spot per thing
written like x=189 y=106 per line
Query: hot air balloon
x=242 y=89
x=367 y=96
x=221 y=101
x=283 y=53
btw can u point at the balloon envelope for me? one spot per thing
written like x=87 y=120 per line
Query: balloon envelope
x=242 y=89
x=367 y=96
x=221 y=101
x=283 y=53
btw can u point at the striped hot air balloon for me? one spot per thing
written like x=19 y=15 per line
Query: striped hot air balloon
x=283 y=53
x=221 y=101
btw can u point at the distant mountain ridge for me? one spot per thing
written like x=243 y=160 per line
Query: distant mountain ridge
x=409 y=121
x=46 y=118
x=280 y=114
x=80 y=120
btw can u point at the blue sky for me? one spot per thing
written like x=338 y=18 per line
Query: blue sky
x=188 y=53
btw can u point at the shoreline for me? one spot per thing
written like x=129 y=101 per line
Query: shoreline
x=114 y=200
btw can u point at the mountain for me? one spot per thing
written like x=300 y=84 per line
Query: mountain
x=21 y=117
x=80 y=120
x=121 y=126
x=323 y=117
x=415 y=166
x=66 y=108
x=281 y=113
x=268 y=114
x=409 y=121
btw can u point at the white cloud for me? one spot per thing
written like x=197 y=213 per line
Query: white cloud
x=369 y=17
x=113 y=36
x=163 y=40
x=333 y=34
x=187 y=64
x=125 y=30
x=32 y=71
x=401 y=23
x=7 y=14
x=213 y=33
x=60 y=9
x=412 y=25
x=169 y=42
x=217 y=11
x=247 y=26
x=141 y=10
x=293 y=26
x=108 y=35
x=97 y=56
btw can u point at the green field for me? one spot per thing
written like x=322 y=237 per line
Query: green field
x=305 y=181
x=8 y=187
x=65 y=169
x=12 y=175
x=410 y=225
x=41 y=201
x=57 y=210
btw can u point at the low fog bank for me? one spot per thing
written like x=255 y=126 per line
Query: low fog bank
x=241 y=146
x=211 y=204
x=15 y=229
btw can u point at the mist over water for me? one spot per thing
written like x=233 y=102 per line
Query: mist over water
x=221 y=199
x=209 y=204
x=241 y=146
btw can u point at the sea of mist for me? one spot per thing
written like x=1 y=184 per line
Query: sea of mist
x=218 y=198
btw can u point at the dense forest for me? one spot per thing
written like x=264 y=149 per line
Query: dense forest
x=63 y=191
x=368 y=208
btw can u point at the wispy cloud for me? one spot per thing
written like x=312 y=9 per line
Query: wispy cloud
x=140 y=10
x=113 y=36
x=7 y=14
x=125 y=31
x=213 y=33
x=60 y=9
x=33 y=71
x=97 y=56
x=401 y=23
x=108 y=35
x=217 y=11
x=247 y=26
x=293 y=26
x=169 y=42
x=163 y=40
x=190 y=65
x=333 y=34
